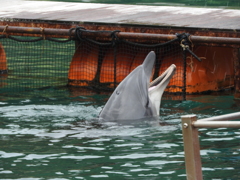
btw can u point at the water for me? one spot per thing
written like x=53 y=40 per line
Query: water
x=54 y=134
x=232 y=4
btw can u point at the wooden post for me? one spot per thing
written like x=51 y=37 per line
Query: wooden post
x=193 y=162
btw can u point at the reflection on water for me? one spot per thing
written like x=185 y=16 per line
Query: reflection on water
x=55 y=135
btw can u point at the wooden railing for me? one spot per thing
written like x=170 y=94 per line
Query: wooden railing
x=190 y=126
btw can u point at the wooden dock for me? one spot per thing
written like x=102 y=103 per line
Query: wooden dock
x=122 y=14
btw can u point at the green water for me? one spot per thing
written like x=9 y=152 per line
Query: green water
x=233 y=4
x=53 y=134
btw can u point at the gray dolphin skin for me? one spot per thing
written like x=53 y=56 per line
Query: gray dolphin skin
x=135 y=97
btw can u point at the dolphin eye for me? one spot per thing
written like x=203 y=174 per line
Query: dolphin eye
x=117 y=92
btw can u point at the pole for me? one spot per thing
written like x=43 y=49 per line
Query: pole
x=193 y=162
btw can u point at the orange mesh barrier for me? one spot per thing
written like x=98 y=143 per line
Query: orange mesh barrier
x=102 y=63
x=3 y=59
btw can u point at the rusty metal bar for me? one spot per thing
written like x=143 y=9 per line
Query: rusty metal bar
x=190 y=127
x=217 y=40
x=34 y=30
x=193 y=162
x=125 y=35
x=231 y=116
x=216 y=124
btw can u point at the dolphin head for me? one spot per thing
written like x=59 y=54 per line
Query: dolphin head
x=134 y=97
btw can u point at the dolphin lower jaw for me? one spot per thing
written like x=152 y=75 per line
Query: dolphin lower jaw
x=165 y=77
x=157 y=87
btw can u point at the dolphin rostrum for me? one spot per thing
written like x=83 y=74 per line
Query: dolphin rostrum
x=135 y=97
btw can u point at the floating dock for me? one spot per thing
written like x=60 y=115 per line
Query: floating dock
x=203 y=18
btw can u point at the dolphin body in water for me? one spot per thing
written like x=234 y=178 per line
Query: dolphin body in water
x=135 y=97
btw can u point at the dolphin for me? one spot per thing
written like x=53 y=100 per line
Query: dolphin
x=135 y=97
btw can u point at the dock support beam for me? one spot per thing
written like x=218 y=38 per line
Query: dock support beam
x=191 y=148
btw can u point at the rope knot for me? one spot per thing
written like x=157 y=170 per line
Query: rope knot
x=114 y=37
x=184 y=43
x=184 y=40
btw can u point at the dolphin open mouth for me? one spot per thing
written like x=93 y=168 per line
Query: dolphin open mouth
x=163 y=79
x=157 y=86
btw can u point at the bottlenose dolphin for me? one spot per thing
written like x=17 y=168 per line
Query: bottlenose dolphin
x=135 y=97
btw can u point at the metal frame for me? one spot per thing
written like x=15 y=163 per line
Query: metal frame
x=190 y=126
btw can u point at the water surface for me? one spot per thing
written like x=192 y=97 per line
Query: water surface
x=54 y=134
x=232 y=4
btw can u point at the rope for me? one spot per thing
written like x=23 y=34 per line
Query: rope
x=184 y=75
x=115 y=38
x=63 y=41
x=150 y=45
x=24 y=40
x=57 y=40
x=78 y=36
x=3 y=36
x=184 y=43
x=4 y=71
